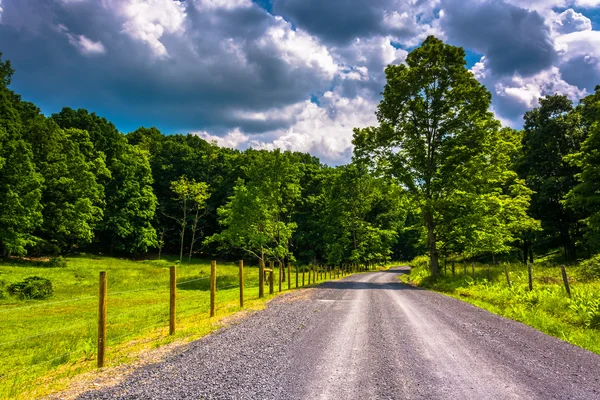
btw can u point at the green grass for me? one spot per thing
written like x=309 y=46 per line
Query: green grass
x=547 y=308
x=44 y=343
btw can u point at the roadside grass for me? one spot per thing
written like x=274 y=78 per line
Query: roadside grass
x=547 y=308
x=44 y=344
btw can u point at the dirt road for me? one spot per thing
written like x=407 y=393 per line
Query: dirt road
x=370 y=337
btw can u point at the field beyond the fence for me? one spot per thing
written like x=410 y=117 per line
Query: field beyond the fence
x=546 y=307
x=44 y=342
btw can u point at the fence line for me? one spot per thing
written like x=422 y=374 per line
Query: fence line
x=319 y=275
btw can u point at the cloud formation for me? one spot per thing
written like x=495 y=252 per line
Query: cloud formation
x=296 y=74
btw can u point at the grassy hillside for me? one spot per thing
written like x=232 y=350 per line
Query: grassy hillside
x=43 y=342
x=547 y=308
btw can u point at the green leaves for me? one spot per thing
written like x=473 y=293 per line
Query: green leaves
x=439 y=140
x=258 y=217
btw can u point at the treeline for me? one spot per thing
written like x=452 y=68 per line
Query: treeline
x=73 y=182
x=439 y=175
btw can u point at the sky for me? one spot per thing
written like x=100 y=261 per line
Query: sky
x=290 y=74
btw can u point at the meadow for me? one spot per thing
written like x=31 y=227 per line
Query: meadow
x=44 y=343
x=547 y=307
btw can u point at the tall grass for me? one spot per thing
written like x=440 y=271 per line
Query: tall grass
x=547 y=308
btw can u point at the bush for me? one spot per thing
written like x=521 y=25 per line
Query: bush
x=57 y=262
x=33 y=287
x=590 y=269
x=420 y=262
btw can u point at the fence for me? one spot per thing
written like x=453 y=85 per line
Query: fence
x=95 y=324
x=505 y=271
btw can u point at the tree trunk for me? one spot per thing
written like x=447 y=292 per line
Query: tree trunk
x=530 y=255
x=432 y=242
x=525 y=251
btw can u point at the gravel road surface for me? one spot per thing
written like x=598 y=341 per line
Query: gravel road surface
x=368 y=336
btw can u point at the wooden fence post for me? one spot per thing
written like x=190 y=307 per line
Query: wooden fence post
x=303 y=269
x=241 y=264
x=289 y=271
x=271 y=277
x=213 y=286
x=172 y=299
x=280 y=265
x=296 y=276
x=102 y=319
x=465 y=268
x=453 y=271
x=261 y=279
x=530 y=275
x=473 y=268
x=507 y=274
x=565 y=280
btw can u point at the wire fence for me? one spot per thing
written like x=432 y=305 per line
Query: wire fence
x=133 y=317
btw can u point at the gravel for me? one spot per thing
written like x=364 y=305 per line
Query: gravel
x=369 y=336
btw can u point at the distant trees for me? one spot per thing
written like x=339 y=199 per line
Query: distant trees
x=258 y=217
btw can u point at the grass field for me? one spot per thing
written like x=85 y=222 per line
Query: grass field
x=43 y=343
x=547 y=308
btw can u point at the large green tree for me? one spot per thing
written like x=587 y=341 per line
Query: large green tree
x=436 y=136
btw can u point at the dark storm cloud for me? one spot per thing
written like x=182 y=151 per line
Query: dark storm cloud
x=335 y=20
x=341 y=21
x=582 y=71
x=513 y=39
x=221 y=64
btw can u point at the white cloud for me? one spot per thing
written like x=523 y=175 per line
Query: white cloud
x=82 y=43
x=479 y=69
x=148 y=20
x=527 y=91
x=570 y=21
x=298 y=48
x=579 y=44
x=324 y=129
x=221 y=4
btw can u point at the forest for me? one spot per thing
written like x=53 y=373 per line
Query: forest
x=439 y=176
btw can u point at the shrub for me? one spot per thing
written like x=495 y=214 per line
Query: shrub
x=420 y=262
x=57 y=262
x=33 y=287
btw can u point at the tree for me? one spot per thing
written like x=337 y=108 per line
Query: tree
x=258 y=217
x=20 y=183
x=127 y=225
x=362 y=215
x=72 y=197
x=192 y=197
x=436 y=136
x=551 y=133
x=585 y=196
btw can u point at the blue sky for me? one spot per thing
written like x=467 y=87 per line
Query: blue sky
x=293 y=74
